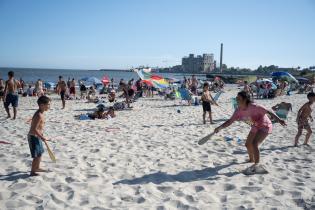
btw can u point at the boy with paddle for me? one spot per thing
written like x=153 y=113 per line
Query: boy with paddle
x=35 y=135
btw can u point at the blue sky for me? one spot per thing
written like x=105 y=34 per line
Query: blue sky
x=121 y=34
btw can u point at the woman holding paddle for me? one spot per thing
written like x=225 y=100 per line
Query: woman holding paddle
x=261 y=126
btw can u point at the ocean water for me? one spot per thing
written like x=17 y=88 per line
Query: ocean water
x=51 y=75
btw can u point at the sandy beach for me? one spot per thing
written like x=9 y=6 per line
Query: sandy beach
x=148 y=158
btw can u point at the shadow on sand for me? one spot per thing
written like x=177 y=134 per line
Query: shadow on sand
x=14 y=176
x=184 y=176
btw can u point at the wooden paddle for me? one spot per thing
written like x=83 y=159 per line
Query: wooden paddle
x=205 y=139
x=50 y=153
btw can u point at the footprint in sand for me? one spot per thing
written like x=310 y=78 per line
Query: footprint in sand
x=69 y=179
x=180 y=205
x=70 y=195
x=179 y=193
x=98 y=208
x=251 y=189
x=228 y=187
x=18 y=186
x=278 y=192
x=60 y=187
x=199 y=188
x=190 y=198
x=165 y=189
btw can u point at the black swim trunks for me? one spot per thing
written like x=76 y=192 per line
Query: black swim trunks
x=11 y=98
x=62 y=94
x=206 y=106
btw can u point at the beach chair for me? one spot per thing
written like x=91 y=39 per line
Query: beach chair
x=234 y=103
x=185 y=95
x=282 y=113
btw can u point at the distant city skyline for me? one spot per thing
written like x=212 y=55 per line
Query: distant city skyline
x=119 y=34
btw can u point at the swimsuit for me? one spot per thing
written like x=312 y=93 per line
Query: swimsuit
x=72 y=90
x=36 y=146
x=62 y=94
x=11 y=98
x=257 y=115
x=206 y=106
x=303 y=123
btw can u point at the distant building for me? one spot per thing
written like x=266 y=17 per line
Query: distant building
x=199 y=64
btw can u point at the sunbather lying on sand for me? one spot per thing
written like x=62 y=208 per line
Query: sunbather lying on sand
x=100 y=113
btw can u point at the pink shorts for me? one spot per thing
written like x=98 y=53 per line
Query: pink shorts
x=255 y=129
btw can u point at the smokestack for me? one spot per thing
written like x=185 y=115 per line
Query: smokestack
x=221 y=56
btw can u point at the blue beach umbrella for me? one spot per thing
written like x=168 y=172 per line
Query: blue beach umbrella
x=49 y=85
x=284 y=76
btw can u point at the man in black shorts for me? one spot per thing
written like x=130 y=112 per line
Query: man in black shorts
x=206 y=103
x=61 y=89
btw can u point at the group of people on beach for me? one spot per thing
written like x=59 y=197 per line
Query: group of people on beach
x=257 y=116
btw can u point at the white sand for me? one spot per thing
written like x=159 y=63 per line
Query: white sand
x=153 y=160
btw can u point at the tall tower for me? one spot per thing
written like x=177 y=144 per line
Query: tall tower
x=221 y=56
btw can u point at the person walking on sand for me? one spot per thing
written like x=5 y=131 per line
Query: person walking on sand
x=39 y=88
x=1 y=89
x=305 y=113
x=72 y=87
x=194 y=84
x=248 y=89
x=11 y=94
x=35 y=135
x=61 y=89
x=261 y=126
x=206 y=103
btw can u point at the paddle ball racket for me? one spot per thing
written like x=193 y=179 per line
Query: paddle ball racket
x=50 y=153
x=205 y=139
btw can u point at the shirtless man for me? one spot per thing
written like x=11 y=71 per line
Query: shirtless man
x=1 y=89
x=303 y=115
x=61 y=89
x=248 y=89
x=72 y=87
x=11 y=94
x=194 y=84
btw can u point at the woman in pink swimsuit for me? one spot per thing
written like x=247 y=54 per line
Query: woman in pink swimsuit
x=260 y=122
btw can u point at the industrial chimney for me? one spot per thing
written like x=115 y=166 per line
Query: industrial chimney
x=221 y=55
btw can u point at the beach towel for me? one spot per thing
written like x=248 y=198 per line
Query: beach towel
x=84 y=117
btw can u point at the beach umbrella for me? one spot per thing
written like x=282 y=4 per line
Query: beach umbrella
x=91 y=80
x=49 y=85
x=284 y=76
x=264 y=80
x=303 y=80
x=105 y=80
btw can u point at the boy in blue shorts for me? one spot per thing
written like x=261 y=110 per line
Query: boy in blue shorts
x=35 y=135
